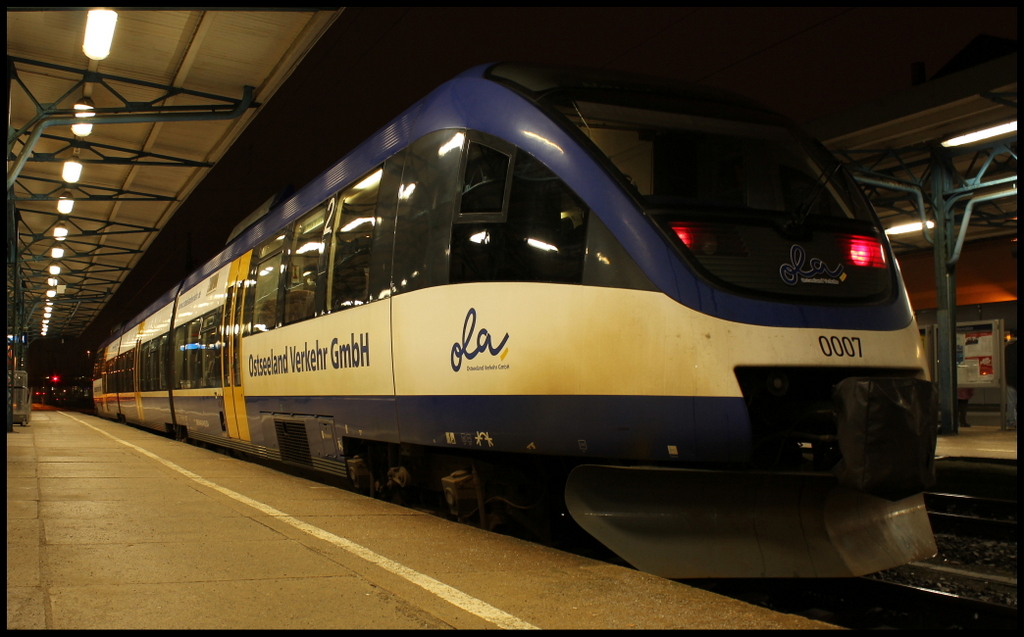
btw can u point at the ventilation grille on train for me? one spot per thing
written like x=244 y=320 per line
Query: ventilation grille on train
x=293 y=442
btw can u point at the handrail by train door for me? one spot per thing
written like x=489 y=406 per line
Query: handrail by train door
x=235 y=416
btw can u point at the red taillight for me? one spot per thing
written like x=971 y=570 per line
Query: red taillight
x=705 y=239
x=685 y=234
x=865 y=252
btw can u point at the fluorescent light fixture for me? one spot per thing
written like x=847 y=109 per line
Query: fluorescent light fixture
x=84 y=107
x=72 y=171
x=66 y=203
x=907 y=227
x=57 y=252
x=99 y=33
x=977 y=136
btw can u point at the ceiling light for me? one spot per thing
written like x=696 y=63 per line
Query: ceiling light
x=60 y=231
x=977 y=136
x=54 y=269
x=85 y=108
x=52 y=282
x=51 y=293
x=99 y=32
x=47 y=315
x=907 y=227
x=57 y=252
x=66 y=203
x=72 y=171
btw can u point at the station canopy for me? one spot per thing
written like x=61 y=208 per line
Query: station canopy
x=176 y=89
x=915 y=141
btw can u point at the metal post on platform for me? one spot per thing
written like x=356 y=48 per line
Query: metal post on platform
x=945 y=287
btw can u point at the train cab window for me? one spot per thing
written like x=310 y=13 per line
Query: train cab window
x=353 y=224
x=485 y=180
x=542 y=239
x=269 y=264
x=306 y=246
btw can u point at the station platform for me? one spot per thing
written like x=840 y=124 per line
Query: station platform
x=984 y=438
x=112 y=527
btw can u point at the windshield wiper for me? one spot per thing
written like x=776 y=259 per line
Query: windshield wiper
x=801 y=211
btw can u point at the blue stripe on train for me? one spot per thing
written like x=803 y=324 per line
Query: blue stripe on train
x=699 y=429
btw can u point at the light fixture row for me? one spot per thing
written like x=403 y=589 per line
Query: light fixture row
x=99 y=33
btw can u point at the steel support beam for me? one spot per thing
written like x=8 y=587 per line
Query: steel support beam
x=945 y=288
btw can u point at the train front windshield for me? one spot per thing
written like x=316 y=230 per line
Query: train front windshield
x=753 y=207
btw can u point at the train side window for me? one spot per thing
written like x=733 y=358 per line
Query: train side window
x=209 y=351
x=162 y=362
x=145 y=366
x=427 y=199
x=543 y=238
x=303 y=262
x=269 y=264
x=485 y=180
x=351 y=241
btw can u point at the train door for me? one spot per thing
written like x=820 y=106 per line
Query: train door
x=235 y=417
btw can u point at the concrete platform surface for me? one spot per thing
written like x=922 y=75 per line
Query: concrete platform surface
x=983 y=439
x=111 y=527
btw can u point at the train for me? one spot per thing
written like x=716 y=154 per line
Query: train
x=545 y=296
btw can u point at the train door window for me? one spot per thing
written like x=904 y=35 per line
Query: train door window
x=542 y=238
x=354 y=220
x=268 y=276
x=304 y=252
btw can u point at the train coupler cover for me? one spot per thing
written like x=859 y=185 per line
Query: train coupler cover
x=887 y=430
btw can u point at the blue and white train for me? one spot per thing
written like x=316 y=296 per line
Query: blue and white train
x=658 y=308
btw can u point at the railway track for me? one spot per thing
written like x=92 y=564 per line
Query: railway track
x=962 y=515
x=971 y=582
